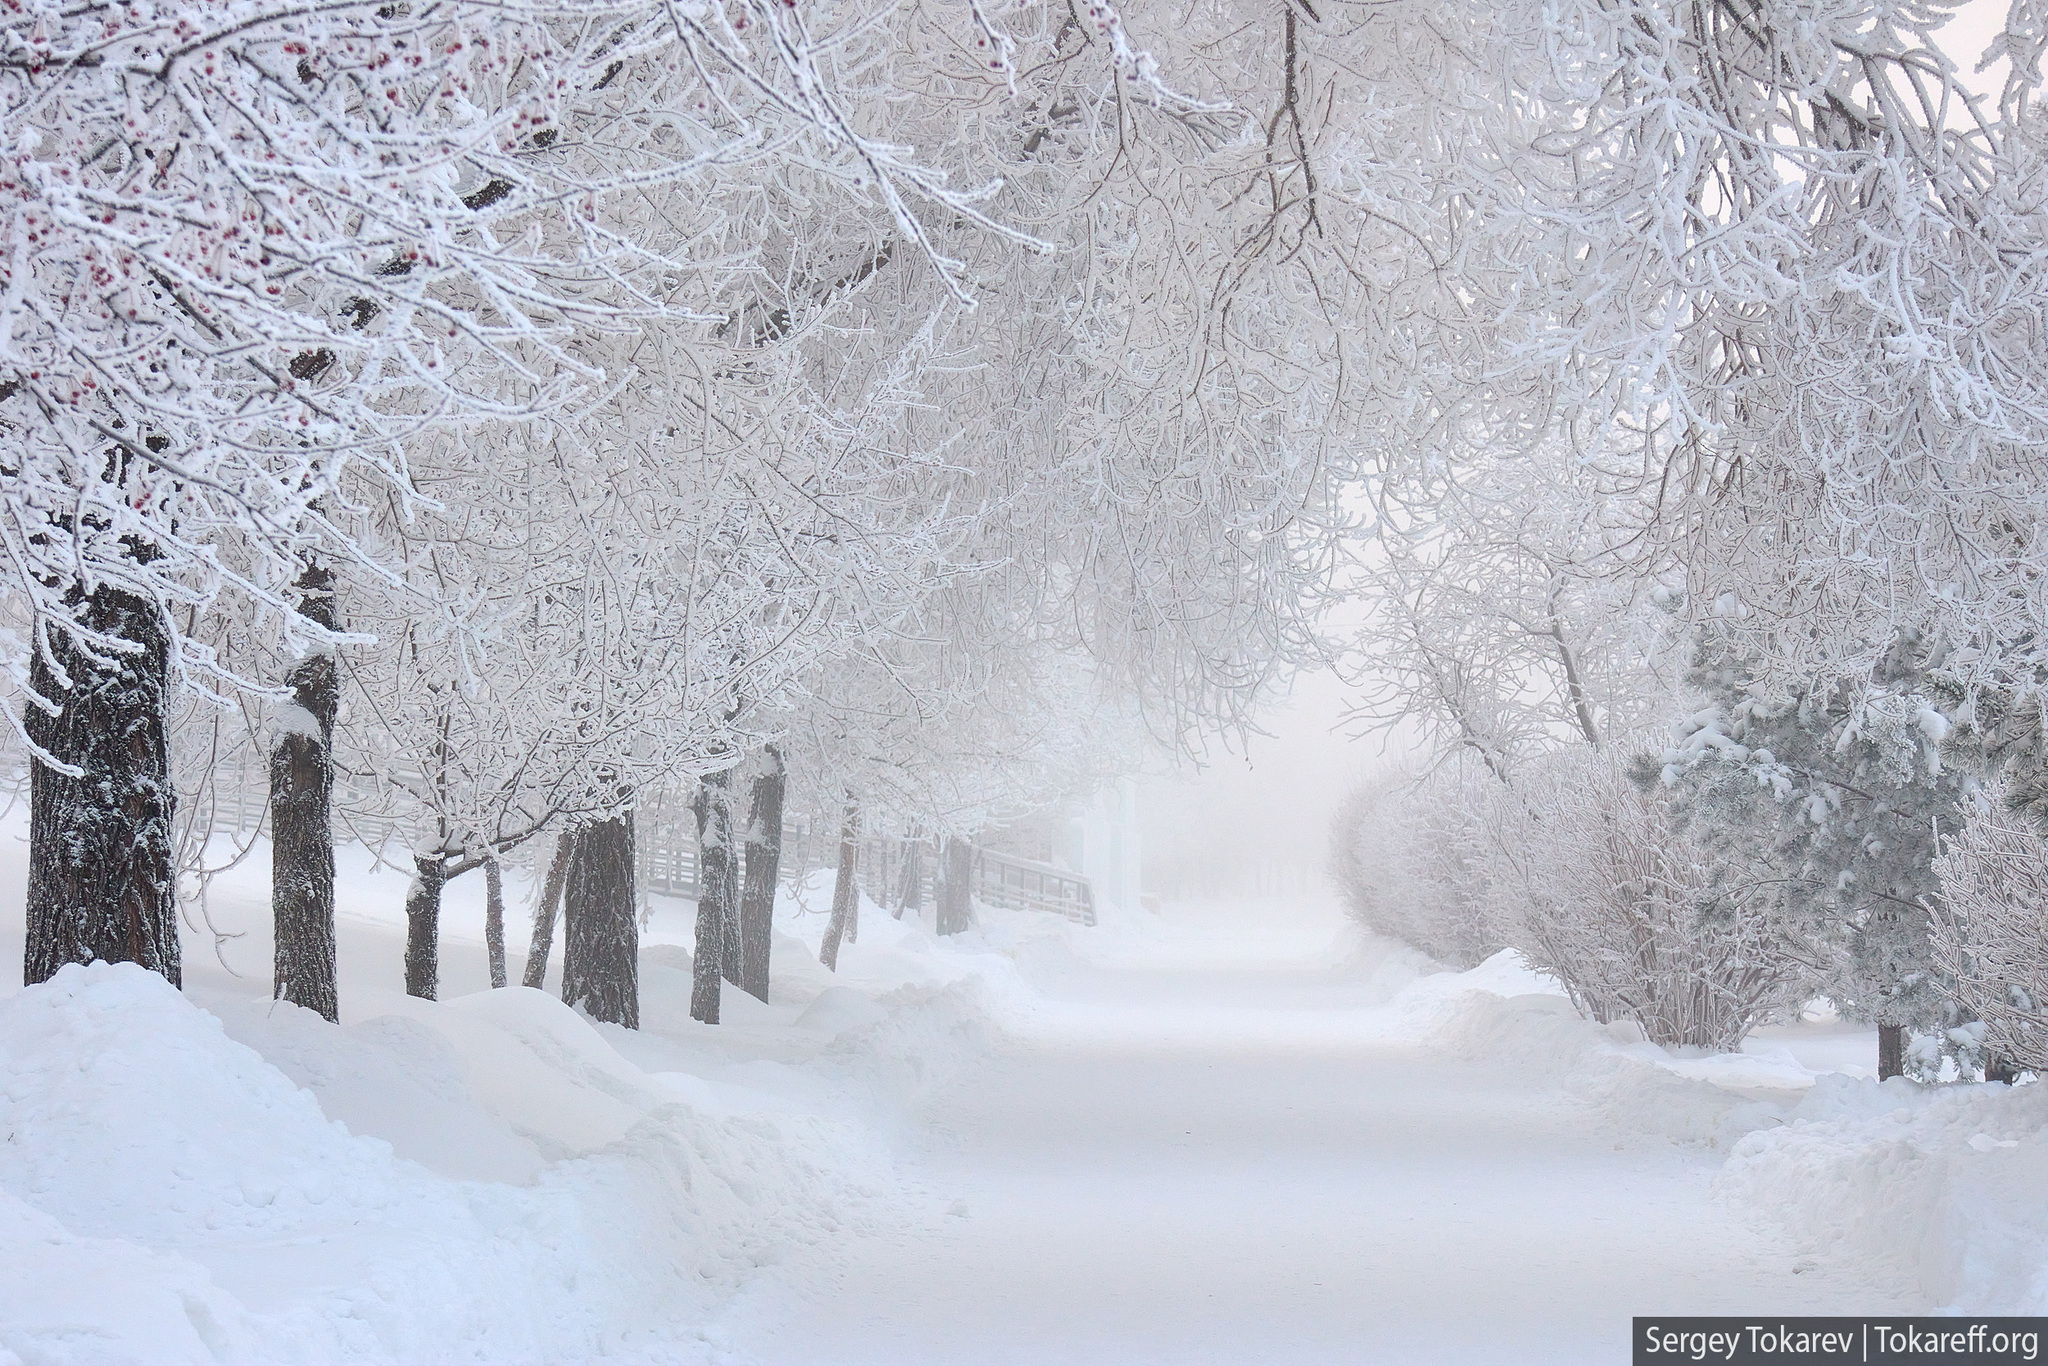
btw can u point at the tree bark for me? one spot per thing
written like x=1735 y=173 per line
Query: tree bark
x=845 y=891
x=764 y=866
x=423 y=928
x=732 y=952
x=301 y=828
x=956 y=888
x=853 y=898
x=494 y=920
x=911 y=896
x=1891 y=1051
x=601 y=925
x=101 y=882
x=544 y=914
x=717 y=893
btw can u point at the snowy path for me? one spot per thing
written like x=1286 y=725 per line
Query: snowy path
x=1177 y=1162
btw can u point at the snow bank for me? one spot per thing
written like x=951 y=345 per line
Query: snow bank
x=1503 y=1014
x=1943 y=1187
x=1941 y=1191
x=488 y=1178
x=209 y=1175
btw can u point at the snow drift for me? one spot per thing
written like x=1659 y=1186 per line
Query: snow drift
x=552 y=1200
x=486 y=1178
x=1938 y=1190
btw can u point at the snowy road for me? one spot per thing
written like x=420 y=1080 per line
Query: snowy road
x=1175 y=1161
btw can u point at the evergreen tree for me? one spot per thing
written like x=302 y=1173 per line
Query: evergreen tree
x=1843 y=793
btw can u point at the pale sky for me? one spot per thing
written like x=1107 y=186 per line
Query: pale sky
x=1969 y=33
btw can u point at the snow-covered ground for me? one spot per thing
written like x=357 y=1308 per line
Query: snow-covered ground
x=1225 y=1134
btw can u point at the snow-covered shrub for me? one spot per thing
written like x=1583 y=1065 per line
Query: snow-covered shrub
x=1990 y=931
x=1408 y=858
x=1596 y=882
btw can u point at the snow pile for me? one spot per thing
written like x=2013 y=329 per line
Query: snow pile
x=1941 y=1191
x=1944 y=1188
x=484 y=1178
x=900 y=1048
x=1502 y=1013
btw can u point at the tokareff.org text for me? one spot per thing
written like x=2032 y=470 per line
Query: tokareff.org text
x=1877 y=1342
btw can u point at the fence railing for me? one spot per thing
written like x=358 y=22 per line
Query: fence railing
x=670 y=868
x=1024 y=885
x=665 y=847
x=666 y=840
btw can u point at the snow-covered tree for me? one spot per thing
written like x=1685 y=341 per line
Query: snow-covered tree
x=250 y=248
x=1513 y=614
x=1990 y=940
x=1843 y=795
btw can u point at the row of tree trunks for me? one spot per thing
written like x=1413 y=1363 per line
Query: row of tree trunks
x=845 y=920
x=102 y=883
x=101 y=879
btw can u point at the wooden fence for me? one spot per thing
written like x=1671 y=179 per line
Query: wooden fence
x=1025 y=885
x=1000 y=879
x=665 y=836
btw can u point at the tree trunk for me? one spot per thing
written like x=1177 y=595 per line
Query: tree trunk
x=717 y=893
x=544 y=914
x=911 y=896
x=956 y=889
x=845 y=891
x=423 y=928
x=885 y=874
x=601 y=925
x=301 y=831
x=1891 y=1051
x=101 y=882
x=732 y=955
x=853 y=900
x=764 y=866
x=494 y=920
